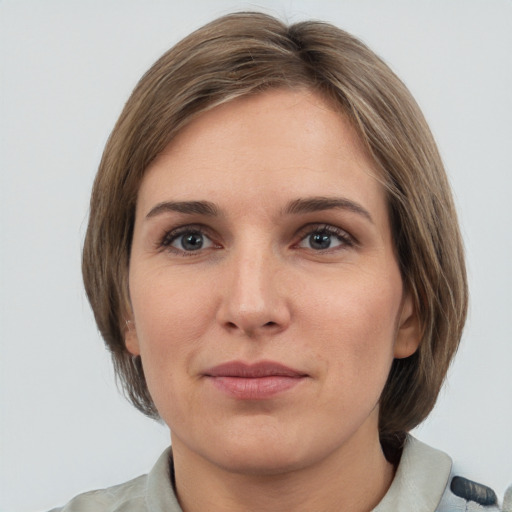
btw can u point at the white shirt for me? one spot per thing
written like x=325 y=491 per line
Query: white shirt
x=421 y=484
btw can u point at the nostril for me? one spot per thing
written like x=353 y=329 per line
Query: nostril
x=270 y=324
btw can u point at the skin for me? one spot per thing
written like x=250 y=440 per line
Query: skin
x=261 y=289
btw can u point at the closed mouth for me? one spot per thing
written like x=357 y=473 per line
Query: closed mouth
x=253 y=371
x=254 y=382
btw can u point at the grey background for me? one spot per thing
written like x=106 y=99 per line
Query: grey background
x=66 y=69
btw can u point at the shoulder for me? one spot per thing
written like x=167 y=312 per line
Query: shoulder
x=453 y=490
x=147 y=493
x=425 y=481
x=128 y=497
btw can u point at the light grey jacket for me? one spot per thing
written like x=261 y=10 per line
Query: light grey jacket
x=424 y=482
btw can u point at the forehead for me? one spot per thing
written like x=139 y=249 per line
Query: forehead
x=280 y=142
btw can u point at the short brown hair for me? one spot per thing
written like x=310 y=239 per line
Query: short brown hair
x=246 y=53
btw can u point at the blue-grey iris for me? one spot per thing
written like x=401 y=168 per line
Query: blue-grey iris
x=320 y=240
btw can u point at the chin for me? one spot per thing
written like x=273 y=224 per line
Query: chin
x=267 y=453
x=262 y=462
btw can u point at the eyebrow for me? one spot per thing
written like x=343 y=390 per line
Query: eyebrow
x=187 y=207
x=295 y=207
x=316 y=204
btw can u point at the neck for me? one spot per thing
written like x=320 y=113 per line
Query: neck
x=354 y=478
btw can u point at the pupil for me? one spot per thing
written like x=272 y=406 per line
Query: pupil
x=320 y=240
x=192 y=242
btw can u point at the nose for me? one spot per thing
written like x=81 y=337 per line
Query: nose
x=254 y=298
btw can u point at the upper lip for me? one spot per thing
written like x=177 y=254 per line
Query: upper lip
x=252 y=371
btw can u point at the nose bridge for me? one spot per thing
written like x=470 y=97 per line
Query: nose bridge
x=252 y=281
x=252 y=300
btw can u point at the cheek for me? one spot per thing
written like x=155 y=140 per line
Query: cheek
x=170 y=320
x=170 y=317
x=356 y=326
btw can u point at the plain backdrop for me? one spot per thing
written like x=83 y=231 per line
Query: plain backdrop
x=67 y=67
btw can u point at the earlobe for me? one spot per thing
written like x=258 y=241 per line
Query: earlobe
x=408 y=332
x=131 y=340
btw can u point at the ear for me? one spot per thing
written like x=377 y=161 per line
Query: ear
x=131 y=341
x=408 y=332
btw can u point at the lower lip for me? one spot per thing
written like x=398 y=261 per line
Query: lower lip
x=258 y=388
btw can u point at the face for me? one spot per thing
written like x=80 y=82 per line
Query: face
x=267 y=303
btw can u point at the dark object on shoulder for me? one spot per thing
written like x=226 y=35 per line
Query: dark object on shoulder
x=473 y=491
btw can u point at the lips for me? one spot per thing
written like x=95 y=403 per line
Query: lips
x=257 y=381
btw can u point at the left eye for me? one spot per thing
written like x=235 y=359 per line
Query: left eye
x=323 y=239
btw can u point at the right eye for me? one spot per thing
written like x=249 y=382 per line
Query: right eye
x=185 y=241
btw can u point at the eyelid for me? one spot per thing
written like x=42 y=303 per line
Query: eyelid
x=343 y=235
x=165 y=241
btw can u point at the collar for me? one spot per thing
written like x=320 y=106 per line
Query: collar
x=420 y=480
x=160 y=496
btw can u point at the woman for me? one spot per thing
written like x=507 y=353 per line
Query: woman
x=274 y=260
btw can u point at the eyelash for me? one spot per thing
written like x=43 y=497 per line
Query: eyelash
x=327 y=229
x=169 y=237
